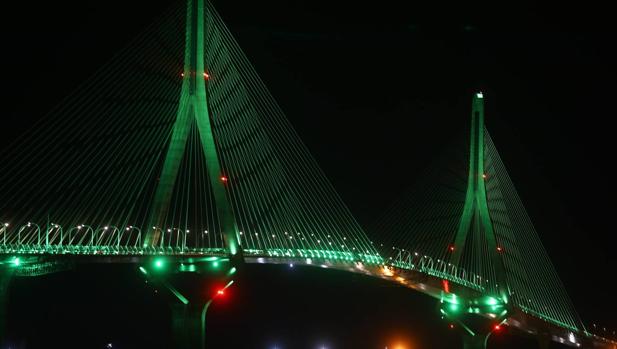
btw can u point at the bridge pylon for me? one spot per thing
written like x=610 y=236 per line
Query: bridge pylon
x=193 y=107
x=475 y=211
x=481 y=316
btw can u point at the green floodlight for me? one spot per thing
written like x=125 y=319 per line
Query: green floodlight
x=491 y=301
x=159 y=263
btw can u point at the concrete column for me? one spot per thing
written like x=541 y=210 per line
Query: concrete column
x=544 y=340
x=188 y=325
x=5 y=278
x=477 y=341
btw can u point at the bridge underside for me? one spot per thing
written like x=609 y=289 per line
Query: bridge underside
x=426 y=281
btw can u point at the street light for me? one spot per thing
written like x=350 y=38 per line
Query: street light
x=186 y=232
x=4 y=229
x=24 y=227
x=154 y=229
x=77 y=229
x=129 y=231
x=97 y=241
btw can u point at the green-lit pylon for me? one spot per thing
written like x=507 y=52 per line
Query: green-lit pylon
x=193 y=104
x=476 y=206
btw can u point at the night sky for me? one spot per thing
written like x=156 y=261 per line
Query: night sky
x=375 y=92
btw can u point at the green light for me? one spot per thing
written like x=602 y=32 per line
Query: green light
x=159 y=263
x=143 y=270
x=454 y=307
x=215 y=264
x=188 y=268
x=232 y=271
x=491 y=301
x=16 y=262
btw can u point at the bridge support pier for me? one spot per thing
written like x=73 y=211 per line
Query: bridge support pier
x=191 y=287
x=544 y=340
x=5 y=279
x=475 y=341
x=189 y=325
x=476 y=319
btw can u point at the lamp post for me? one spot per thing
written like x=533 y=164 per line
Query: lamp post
x=4 y=230
x=24 y=227
x=49 y=230
x=154 y=229
x=184 y=242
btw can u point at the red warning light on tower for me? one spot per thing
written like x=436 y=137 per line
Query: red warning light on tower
x=451 y=248
x=206 y=76
x=224 y=179
x=499 y=249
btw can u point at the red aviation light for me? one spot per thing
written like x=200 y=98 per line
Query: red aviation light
x=497 y=327
x=224 y=179
x=446 y=285
x=206 y=76
x=499 y=249
x=220 y=292
x=451 y=248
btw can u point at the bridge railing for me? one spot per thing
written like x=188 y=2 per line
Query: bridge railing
x=415 y=261
x=32 y=238
x=83 y=239
x=310 y=254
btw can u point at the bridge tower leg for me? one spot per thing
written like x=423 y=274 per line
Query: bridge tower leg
x=193 y=106
x=476 y=205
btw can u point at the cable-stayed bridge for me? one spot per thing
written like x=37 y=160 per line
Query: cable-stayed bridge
x=176 y=154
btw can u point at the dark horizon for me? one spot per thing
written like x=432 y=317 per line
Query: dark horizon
x=376 y=92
